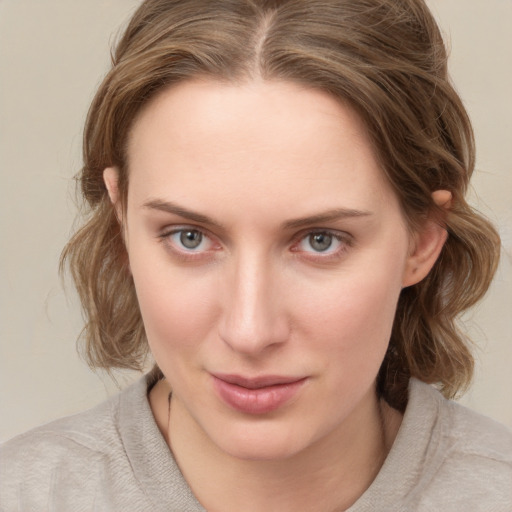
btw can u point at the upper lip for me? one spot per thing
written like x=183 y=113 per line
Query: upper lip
x=262 y=381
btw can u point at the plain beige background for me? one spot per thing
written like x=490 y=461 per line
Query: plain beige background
x=53 y=54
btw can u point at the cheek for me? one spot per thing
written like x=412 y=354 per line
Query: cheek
x=352 y=318
x=178 y=311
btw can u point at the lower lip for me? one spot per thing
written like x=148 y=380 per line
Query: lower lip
x=256 y=401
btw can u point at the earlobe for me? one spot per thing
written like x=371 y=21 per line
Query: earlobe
x=442 y=198
x=427 y=243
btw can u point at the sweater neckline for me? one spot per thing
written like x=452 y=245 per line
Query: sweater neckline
x=158 y=474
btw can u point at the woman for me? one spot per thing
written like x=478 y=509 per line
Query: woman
x=278 y=216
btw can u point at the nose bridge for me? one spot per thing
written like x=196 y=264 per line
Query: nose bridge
x=253 y=317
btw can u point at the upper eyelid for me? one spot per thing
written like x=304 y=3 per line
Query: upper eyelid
x=342 y=235
x=181 y=227
x=297 y=236
x=171 y=230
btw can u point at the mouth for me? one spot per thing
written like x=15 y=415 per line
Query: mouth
x=259 y=395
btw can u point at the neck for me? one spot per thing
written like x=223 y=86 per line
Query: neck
x=330 y=474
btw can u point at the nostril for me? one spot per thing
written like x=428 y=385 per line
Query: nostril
x=253 y=334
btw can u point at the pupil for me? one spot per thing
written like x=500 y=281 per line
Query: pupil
x=191 y=239
x=320 y=241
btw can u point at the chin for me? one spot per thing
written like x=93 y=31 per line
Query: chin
x=261 y=451
x=264 y=441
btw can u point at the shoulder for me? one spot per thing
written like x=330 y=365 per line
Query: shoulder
x=468 y=460
x=75 y=452
x=72 y=448
x=461 y=429
x=86 y=432
x=444 y=457
x=474 y=434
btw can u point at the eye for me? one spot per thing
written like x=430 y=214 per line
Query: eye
x=322 y=243
x=188 y=241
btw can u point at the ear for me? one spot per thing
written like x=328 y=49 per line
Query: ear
x=111 y=179
x=427 y=243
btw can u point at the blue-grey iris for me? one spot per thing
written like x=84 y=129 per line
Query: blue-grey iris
x=191 y=239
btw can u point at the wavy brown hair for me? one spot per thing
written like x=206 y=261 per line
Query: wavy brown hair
x=387 y=59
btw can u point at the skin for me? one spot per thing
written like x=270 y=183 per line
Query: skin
x=256 y=296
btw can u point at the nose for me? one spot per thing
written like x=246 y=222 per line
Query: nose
x=254 y=316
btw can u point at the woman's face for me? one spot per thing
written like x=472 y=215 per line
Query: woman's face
x=268 y=253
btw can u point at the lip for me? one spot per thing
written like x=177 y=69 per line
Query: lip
x=259 y=395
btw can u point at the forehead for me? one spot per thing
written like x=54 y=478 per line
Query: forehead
x=265 y=140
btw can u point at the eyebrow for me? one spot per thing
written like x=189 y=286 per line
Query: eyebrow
x=175 y=209
x=327 y=216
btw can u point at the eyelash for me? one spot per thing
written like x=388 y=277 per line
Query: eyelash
x=345 y=240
